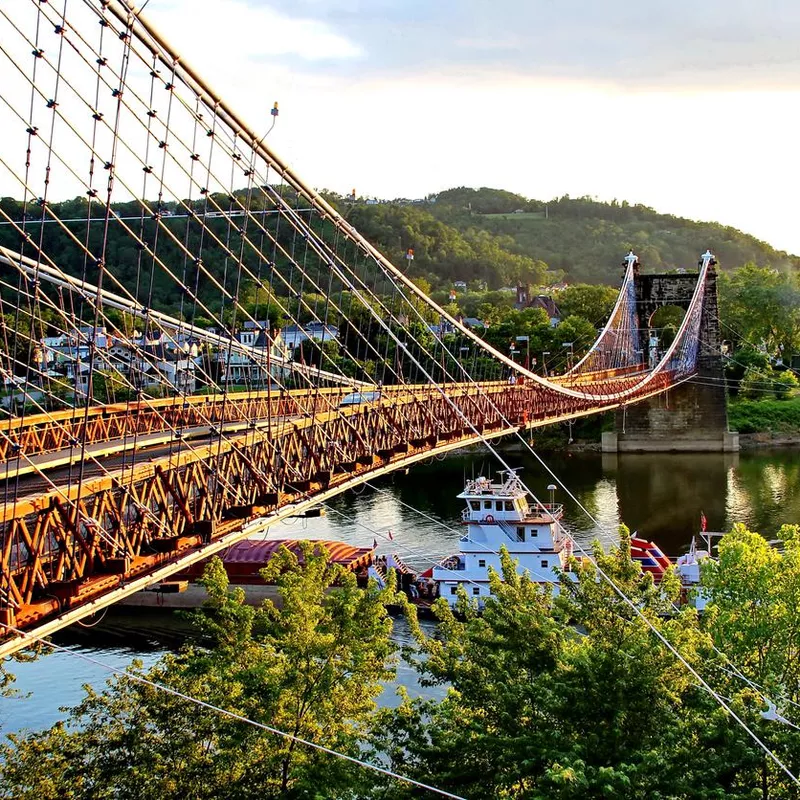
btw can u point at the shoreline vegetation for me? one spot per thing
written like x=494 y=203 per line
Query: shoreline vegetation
x=761 y=424
x=571 y=695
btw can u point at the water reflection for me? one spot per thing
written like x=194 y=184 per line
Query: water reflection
x=663 y=496
x=658 y=495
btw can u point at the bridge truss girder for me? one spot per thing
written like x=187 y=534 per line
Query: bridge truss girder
x=70 y=551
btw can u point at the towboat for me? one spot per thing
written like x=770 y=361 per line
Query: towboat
x=500 y=514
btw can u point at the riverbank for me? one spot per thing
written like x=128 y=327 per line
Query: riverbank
x=779 y=418
x=767 y=440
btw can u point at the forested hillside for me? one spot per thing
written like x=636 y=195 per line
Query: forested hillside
x=583 y=239
x=487 y=238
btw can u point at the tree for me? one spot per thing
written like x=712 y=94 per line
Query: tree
x=575 y=331
x=571 y=696
x=753 y=616
x=761 y=306
x=108 y=386
x=752 y=608
x=311 y=668
x=760 y=384
x=593 y=303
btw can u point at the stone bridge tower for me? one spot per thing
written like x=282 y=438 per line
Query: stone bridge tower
x=692 y=416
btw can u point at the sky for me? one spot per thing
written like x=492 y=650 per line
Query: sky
x=689 y=106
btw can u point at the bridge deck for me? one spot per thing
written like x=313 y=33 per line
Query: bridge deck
x=71 y=550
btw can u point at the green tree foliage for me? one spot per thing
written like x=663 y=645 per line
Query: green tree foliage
x=761 y=307
x=483 y=200
x=586 y=239
x=751 y=375
x=460 y=235
x=443 y=253
x=593 y=303
x=754 y=618
x=761 y=384
x=561 y=696
x=311 y=668
x=110 y=387
x=753 y=612
x=573 y=696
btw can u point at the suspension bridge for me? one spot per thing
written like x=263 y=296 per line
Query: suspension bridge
x=192 y=232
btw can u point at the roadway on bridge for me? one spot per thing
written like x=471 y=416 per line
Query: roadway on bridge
x=27 y=470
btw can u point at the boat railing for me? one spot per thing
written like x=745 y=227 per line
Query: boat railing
x=511 y=485
x=453 y=563
x=537 y=511
x=548 y=511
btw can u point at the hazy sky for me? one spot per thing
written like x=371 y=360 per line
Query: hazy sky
x=690 y=106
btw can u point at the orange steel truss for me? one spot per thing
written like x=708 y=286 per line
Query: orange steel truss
x=66 y=548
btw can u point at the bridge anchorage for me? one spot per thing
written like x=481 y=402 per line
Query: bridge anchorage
x=200 y=345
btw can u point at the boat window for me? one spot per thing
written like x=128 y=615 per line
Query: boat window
x=544 y=563
x=534 y=531
x=520 y=534
x=487 y=503
x=475 y=505
x=454 y=590
x=476 y=590
x=498 y=506
x=509 y=505
x=482 y=562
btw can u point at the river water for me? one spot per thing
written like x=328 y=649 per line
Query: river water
x=660 y=495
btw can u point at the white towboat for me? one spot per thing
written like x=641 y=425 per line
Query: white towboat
x=500 y=515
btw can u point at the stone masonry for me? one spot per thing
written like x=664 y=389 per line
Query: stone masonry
x=692 y=416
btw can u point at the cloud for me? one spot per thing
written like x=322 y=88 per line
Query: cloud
x=253 y=30
x=649 y=42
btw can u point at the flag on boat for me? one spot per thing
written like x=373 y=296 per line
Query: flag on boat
x=374 y=544
x=703 y=522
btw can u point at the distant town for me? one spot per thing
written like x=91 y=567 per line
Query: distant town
x=168 y=361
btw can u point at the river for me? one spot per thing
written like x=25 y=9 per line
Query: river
x=659 y=495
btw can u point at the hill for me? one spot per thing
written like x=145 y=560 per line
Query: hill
x=488 y=238
x=581 y=238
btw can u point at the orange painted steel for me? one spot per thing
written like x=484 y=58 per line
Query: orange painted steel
x=39 y=434
x=67 y=547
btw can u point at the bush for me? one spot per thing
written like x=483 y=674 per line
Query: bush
x=759 y=382
x=757 y=416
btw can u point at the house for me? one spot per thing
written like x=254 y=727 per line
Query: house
x=261 y=355
x=180 y=374
x=295 y=335
x=543 y=301
x=442 y=329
